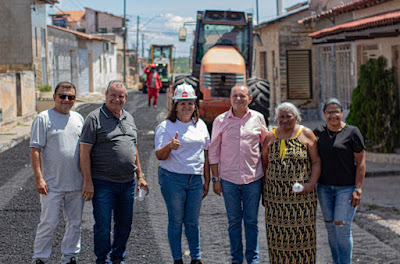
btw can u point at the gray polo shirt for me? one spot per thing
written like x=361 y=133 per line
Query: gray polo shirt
x=113 y=155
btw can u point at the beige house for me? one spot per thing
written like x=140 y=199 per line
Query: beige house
x=88 y=61
x=346 y=36
x=98 y=23
x=23 y=56
x=285 y=60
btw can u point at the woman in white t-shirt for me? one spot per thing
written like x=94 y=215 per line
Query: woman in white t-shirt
x=181 y=144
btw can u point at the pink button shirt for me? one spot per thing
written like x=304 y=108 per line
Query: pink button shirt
x=235 y=145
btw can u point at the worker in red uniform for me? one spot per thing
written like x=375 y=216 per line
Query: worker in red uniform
x=153 y=83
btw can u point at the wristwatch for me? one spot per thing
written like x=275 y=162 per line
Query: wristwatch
x=215 y=179
x=358 y=189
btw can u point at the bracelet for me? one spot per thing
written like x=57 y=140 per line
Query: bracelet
x=141 y=175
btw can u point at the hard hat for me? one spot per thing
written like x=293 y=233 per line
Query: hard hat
x=153 y=65
x=184 y=92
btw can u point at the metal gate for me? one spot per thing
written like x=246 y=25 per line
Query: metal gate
x=335 y=73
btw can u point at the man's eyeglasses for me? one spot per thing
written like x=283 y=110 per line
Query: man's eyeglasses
x=63 y=96
x=333 y=112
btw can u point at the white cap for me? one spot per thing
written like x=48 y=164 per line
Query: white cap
x=184 y=92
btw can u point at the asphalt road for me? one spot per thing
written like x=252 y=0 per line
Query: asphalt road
x=20 y=210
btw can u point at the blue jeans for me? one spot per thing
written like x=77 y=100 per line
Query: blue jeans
x=109 y=199
x=241 y=203
x=183 y=194
x=336 y=207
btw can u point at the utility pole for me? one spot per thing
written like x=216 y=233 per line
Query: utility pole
x=142 y=45
x=124 y=32
x=137 y=43
x=258 y=22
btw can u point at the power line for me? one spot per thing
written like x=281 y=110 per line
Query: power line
x=77 y=3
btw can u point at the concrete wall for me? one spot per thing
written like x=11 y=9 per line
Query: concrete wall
x=323 y=5
x=104 y=65
x=90 y=21
x=63 y=47
x=377 y=9
x=39 y=35
x=278 y=37
x=9 y=104
x=22 y=56
x=83 y=71
x=94 y=20
x=270 y=39
x=15 y=32
x=108 y=21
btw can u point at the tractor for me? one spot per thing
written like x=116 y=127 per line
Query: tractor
x=222 y=57
x=162 y=57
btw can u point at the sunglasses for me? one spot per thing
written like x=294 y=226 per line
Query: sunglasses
x=64 y=96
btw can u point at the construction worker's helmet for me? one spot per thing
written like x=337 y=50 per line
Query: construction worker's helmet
x=184 y=92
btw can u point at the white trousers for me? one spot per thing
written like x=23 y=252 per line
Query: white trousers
x=49 y=219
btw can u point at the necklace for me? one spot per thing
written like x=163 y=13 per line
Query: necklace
x=332 y=136
x=329 y=134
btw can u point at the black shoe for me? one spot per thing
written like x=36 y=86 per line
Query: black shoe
x=196 y=261
x=179 y=261
x=73 y=261
x=149 y=104
x=118 y=261
x=38 y=261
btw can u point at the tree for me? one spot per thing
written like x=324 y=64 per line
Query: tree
x=374 y=108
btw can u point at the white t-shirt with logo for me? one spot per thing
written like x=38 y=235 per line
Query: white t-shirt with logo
x=194 y=139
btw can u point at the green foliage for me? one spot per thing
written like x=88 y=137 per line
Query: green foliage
x=45 y=88
x=181 y=65
x=374 y=108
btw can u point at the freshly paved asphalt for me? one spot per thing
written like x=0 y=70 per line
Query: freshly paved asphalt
x=19 y=210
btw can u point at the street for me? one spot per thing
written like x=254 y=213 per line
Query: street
x=20 y=210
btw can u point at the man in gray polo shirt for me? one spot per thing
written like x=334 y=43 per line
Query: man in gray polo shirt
x=109 y=160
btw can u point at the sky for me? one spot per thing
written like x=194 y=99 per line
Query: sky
x=160 y=20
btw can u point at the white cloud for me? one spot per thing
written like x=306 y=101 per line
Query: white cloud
x=175 y=22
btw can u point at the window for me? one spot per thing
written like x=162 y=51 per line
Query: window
x=212 y=34
x=102 y=30
x=299 y=74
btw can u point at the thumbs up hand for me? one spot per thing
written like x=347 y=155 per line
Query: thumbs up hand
x=175 y=143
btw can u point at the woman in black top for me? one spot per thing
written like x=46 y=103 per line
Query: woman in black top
x=342 y=151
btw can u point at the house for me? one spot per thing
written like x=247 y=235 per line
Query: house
x=88 y=61
x=347 y=34
x=98 y=23
x=23 y=56
x=285 y=60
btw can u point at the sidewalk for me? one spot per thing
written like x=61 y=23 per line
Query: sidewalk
x=21 y=131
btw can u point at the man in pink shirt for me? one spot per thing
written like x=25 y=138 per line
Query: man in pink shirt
x=235 y=159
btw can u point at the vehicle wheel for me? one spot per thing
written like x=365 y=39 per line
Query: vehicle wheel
x=179 y=77
x=260 y=90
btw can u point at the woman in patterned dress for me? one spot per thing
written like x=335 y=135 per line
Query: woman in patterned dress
x=290 y=155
